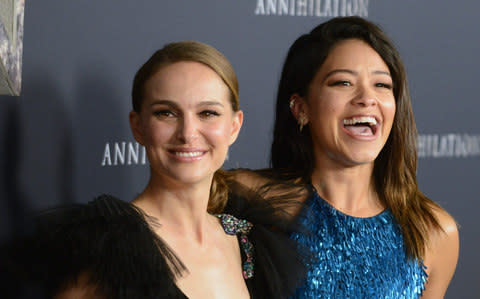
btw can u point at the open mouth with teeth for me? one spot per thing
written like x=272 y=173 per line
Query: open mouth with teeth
x=188 y=154
x=361 y=126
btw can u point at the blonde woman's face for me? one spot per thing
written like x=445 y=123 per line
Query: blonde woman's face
x=186 y=123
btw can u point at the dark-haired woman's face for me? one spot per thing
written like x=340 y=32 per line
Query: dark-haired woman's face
x=350 y=105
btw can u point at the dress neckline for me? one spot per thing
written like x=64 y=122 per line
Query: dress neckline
x=241 y=228
x=334 y=210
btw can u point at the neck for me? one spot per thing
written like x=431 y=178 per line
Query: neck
x=180 y=208
x=348 y=189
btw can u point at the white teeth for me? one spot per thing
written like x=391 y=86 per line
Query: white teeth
x=188 y=154
x=363 y=119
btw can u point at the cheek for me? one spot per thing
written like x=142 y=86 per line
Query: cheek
x=158 y=134
x=325 y=120
x=218 y=133
x=327 y=103
x=324 y=113
x=389 y=109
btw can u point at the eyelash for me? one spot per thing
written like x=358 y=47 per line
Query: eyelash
x=385 y=85
x=209 y=113
x=341 y=83
x=168 y=113
x=164 y=113
x=347 y=83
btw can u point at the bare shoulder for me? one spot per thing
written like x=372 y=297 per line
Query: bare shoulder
x=444 y=240
x=442 y=255
x=447 y=223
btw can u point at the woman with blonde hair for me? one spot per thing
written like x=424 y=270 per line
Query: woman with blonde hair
x=174 y=240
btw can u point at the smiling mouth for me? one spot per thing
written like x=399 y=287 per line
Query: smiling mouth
x=361 y=125
x=187 y=154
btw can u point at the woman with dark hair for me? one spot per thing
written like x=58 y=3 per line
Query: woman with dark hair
x=344 y=128
x=175 y=239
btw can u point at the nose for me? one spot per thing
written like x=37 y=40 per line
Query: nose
x=365 y=96
x=187 y=130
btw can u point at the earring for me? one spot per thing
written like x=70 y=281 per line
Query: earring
x=302 y=121
x=292 y=102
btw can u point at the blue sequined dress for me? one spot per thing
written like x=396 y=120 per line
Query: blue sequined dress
x=355 y=257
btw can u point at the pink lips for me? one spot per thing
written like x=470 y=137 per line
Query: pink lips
x=362 y=127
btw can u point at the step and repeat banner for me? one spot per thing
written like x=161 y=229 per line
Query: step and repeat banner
x=66 y=138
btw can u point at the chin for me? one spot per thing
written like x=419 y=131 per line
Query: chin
x=189 y=179
x=361 y=158
x=364 y=160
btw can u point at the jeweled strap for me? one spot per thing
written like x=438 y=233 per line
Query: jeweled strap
x=234 y=226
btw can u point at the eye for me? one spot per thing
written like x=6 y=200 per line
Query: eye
x=208 y=113
x=384 y=85
x=164 y=113
x=341 y=83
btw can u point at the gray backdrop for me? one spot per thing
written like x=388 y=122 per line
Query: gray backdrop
x=66 y=138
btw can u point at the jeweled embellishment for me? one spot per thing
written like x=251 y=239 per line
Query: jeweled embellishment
x=234 y=226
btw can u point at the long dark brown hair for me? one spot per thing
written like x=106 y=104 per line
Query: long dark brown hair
x=209 y=56
x=395 y=168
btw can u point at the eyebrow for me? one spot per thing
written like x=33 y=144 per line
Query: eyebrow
x=210 y=103
x=173 y=104
x=352 y=72
x=382 y=73
x=163 y=102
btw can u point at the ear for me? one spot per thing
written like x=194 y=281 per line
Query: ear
x=136 y=126
x=236 y=125
x=299 y=108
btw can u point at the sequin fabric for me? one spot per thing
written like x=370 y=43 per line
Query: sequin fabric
x=233 y=226
x=355 y=257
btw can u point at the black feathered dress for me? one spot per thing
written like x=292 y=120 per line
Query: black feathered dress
x=112 y=244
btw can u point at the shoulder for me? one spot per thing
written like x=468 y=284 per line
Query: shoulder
x=447 y=223
x=108 y=239
x=93 y=218
x=442 y=254
x=93 y=228
x=446 y=235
